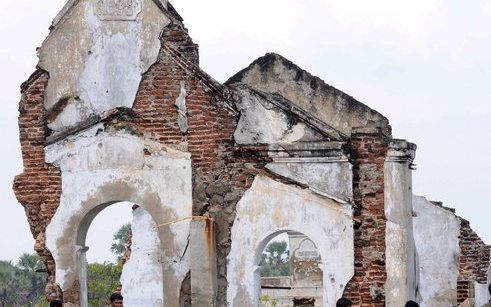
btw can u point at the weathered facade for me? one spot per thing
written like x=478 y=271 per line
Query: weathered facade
x=119 y=110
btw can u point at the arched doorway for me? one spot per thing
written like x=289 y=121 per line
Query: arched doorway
x=135 y=266
x=291 y=272
x=270 y=208
x=157 y=178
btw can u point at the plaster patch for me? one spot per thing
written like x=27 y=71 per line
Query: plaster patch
x=182 y=118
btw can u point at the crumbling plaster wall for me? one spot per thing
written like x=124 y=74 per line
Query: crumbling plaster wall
x=436 y=233
x=275 y=74
x=144 y=267
x=332 y=177
x=96 y=55
x=400 y=255
x=270 y=208
x=102 y=167
x=262 y=123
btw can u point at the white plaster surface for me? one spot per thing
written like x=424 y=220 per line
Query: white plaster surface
x=400 y=253
x=182 y=109
x=142 y=277
x=436 y=232
x=481 y=294
x=103 y=167
x=334 y=178
x=96 y=55
x=261 y=122
x=277 y=75
x=269 y=208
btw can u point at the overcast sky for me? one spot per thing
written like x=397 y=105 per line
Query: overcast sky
x=425 y=64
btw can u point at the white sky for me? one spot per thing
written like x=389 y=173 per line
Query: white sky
x=425 y=64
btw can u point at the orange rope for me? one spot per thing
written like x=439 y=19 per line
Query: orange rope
x=184 y=219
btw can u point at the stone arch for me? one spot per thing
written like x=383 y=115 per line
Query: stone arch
x=270 y=208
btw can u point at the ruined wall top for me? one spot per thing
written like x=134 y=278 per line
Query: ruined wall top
x=162 y=4
x=273 y=73
x=96 y=54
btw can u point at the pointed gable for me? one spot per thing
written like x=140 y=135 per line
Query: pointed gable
x=274 y=74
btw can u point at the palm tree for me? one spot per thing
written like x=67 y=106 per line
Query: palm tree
x=120 y=239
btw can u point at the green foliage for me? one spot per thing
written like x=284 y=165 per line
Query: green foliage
x=275 y=260
x=266 y=301
x=20 y=284
x=103 y=279
x=120 y=239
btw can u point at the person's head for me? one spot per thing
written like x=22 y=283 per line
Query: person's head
x=56 y=303
x=412 y=304
x=344 y=302
x=116 y=300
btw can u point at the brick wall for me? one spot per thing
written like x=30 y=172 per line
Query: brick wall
x=474 y=261
x=38 y=188
x=368 y=152
x=222 y=171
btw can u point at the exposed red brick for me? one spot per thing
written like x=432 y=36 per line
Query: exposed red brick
x=368 y=152
x=474 y=261
x=38 y=188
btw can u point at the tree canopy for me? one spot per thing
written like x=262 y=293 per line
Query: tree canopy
x=275 y=260
x=23 y=283
x=120 y=239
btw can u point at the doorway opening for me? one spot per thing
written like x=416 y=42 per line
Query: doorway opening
x=291 y=274
x=119 y=251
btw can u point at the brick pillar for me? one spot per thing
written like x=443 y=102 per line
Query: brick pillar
x=368 y=151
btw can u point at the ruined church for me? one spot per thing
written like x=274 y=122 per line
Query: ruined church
x=118 y=110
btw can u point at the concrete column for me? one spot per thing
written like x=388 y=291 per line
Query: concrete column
x=82 y=274
x=203 y=263
x=400 y=246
